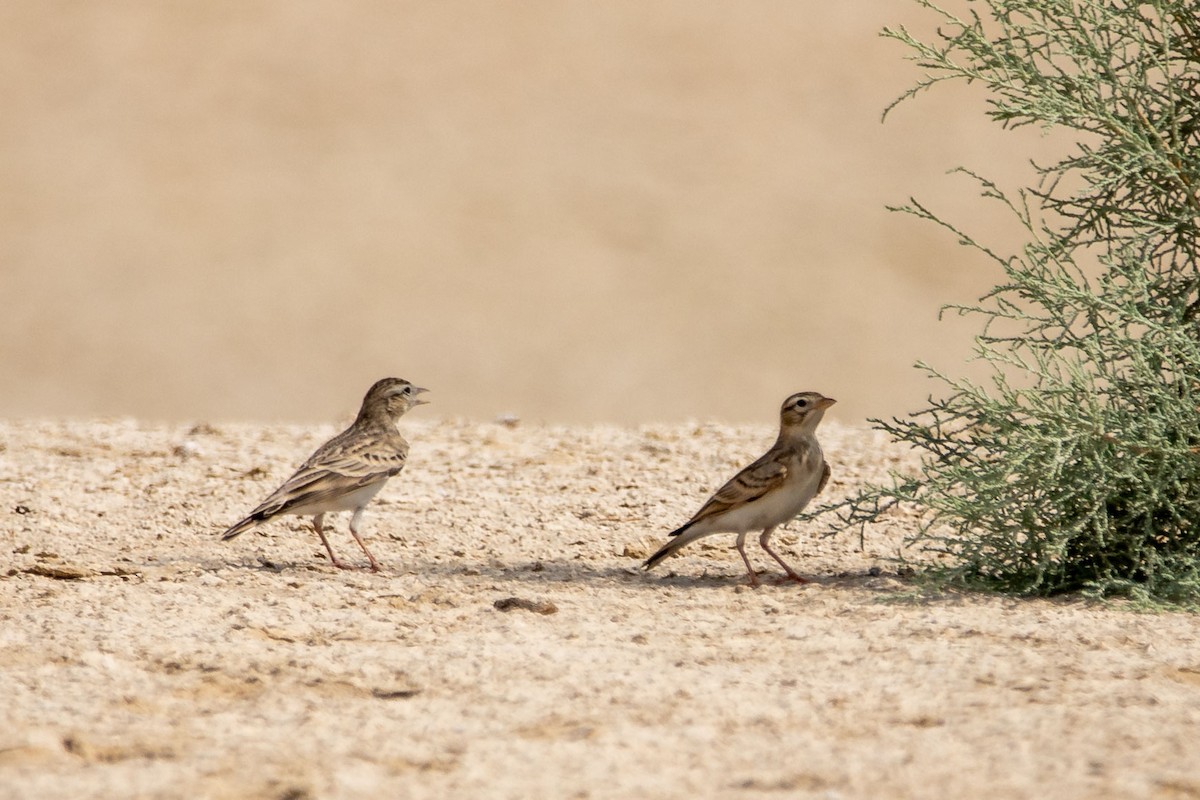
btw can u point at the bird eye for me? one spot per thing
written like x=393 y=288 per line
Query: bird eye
x=408 y=390
x=801 y=403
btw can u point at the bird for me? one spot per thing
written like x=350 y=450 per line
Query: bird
x=770 y=491
x=348 y=470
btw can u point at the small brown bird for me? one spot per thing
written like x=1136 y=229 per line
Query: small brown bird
x=348 y=470
x=769 y=492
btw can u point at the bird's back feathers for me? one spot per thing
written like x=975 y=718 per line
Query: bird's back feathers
x=757 y=497
x=766 y=474
x=339 y=476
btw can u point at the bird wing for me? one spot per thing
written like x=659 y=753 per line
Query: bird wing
x=361 y=458
x=825 y=473
x=764 y=475
x=340 y=467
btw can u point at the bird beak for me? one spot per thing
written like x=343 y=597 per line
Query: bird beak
x=826 y=402
x=416 y=391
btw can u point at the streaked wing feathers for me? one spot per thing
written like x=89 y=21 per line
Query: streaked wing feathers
x=342 y=466
x=360 y=457
x=312 y=487
x=371 y=464
x=756 y=480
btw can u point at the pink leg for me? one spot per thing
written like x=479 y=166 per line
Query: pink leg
x=763 y=540
x=354 y=532
x=318 y=526
x=741 y=548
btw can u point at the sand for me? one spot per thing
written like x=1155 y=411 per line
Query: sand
x=142 y=657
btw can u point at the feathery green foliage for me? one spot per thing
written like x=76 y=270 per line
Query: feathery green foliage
x=1076 y=466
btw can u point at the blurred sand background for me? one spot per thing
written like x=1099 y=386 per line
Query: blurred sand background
x=566 y=211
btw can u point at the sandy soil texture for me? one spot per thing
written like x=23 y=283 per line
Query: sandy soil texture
x=141 y=657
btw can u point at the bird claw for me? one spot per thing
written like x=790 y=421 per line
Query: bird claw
x=356 y=568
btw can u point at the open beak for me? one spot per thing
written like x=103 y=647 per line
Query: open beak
x=416 y=391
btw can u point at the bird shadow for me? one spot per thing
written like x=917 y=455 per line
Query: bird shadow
x=545 y=573
x=893 y=586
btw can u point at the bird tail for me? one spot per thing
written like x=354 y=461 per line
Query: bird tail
x=241 y=527
x=681 y=537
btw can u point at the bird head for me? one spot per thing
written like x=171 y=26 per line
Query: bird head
x=393 y=397
x=803 y=411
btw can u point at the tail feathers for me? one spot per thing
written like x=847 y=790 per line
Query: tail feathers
x=670 y=547
x=249 y=522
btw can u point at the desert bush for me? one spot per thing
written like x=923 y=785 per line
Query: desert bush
x=1076 y=464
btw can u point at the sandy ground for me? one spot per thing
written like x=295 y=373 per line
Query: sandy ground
x=141 y=657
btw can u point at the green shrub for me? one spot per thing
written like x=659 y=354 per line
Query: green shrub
x=1076 y=465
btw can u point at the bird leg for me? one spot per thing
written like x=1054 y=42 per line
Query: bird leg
x=354 y=532
x=741 y=548
x=318 y=526
x=764 y=541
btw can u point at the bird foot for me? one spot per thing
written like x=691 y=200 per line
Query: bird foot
x=355 y=567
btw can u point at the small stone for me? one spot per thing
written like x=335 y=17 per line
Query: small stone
x=187 y=449
x=63 y=572
x=536 y=606
x=394 y=694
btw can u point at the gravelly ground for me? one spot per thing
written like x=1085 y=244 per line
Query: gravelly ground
x=141 y=657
